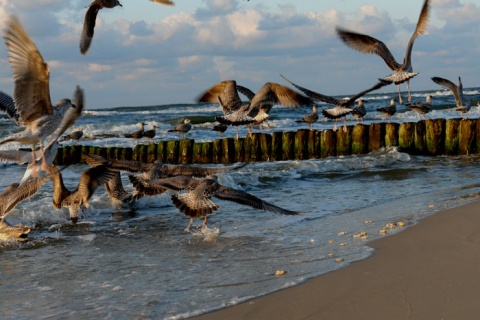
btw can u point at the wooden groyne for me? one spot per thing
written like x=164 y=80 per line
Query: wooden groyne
x=427 y=137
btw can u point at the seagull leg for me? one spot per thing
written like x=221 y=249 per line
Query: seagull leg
x=236 y=129
x=344 y=124
x=187 y=229
x=399 y=95
x=335 y=126
x=250 y=131
x=35 y=173
x=204 y=224
x=408 y=89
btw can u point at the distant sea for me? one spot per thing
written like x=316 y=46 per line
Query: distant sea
x=138 y=263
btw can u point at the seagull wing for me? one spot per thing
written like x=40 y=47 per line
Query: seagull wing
x=274 y=93
x=419 y=30
x=226 y=92
x=165 y=2
x=23 y=192
x=8 y=106
x=89 y=27
x=30 y=73
x=247 y=199
x=368 y=45
x=449 y=85
x=315 y=95
x=71 y=115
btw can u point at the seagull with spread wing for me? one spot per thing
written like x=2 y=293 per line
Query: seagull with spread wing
x=402 y=72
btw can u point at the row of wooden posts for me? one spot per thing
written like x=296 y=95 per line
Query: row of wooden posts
x=427 y=137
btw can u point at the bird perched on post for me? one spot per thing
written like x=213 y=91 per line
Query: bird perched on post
x=310 y=118
x=359 y=111
x=137 y=134
x=75 y=135
x=182 y=128
x=150 y=134
x=421 y=108
x=388 y=111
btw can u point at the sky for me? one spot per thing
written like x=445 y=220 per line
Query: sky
x=149 y=54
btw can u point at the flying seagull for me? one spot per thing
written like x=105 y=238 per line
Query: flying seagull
x=402 y=72
x=32 y=107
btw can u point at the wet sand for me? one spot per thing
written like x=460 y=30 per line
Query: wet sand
x=428 y=271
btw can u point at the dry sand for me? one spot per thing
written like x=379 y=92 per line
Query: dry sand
x=429 y=271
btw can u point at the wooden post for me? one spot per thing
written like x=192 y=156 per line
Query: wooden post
x=217 y=151
x=288 y=145
x=277 y=144
x=451 y=136
x=151 y=152
x=376 y=136
x=186 y=151
x=344 y=141
x=228 y=150
x=173 y=147
x=265 y=147
x=406 y=137
x=420 y=146
x=300 y=145
x=391 y=134
x=435 y=137
x=239 y=150
x=328 y=143
x=313 y=144
x=360 y=139
x=467 y=139
x=162 y=151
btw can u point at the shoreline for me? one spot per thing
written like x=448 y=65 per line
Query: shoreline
x=427 y=271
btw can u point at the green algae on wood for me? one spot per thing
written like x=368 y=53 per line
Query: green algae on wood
x=451 y=136
x=434 y=136
x=467 y=136
x=327 y=144
x=301 y=144
x=344 y=141
x=406 y=137
x=376 y=136
x=360 y=139
x=391 y=134
x=288 y=145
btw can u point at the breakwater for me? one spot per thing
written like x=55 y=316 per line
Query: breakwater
x=426 y=137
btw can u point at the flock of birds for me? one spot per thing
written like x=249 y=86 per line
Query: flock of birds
x=192 y=187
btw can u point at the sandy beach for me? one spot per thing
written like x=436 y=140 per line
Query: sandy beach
x=428 y=271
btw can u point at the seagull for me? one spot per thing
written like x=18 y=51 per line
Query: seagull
x=359 y=111
x=148 y=171
x=402 y=72
x=420 y=107
x=225 y=93
x=271 y=94
x=182 y=128
x=137 y=134
x=157 y=169
x=91 y=17
x=238 y=113
x=75 y=135
x=117 y=193
x=237 y=118
x=75 y=200
x=9 y=199
x=388 y=111
x=463 y=106
x=150 y=134
x=310 y=118
x=342 y=107
x=32 y=107
x=197 y=203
